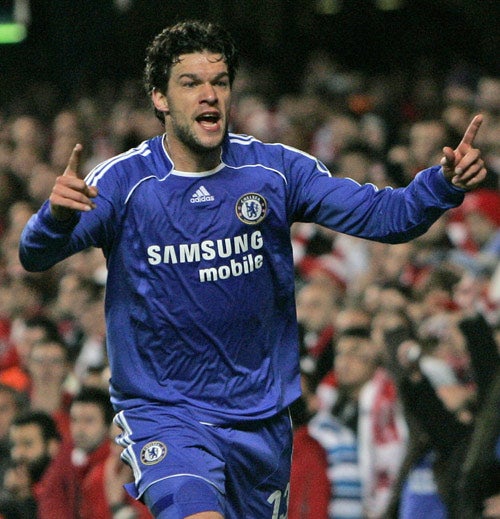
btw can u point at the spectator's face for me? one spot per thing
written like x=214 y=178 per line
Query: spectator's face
x=27 y=443
x=480 y=228
x=354 y=165
x=71 y=297
x=27 y=337
x=396 y=259
x=315 y=307
x=392 y=299
x=26 y=132
x=88 y=426
x=196 y=103
x=489 y=93
x=354 y=362
x=31 y=450
x=426 y=139
x=47 y=364
x=27 y=300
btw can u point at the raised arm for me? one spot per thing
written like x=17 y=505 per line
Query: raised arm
x=49 y=236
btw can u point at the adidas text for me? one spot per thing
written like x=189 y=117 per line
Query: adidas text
x=201 y=195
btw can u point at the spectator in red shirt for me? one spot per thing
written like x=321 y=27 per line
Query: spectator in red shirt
x=62 y=496
x=103 y=492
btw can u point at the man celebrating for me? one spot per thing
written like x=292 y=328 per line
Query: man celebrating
x=201 y=322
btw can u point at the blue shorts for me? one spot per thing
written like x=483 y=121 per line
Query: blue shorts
x=244 y=469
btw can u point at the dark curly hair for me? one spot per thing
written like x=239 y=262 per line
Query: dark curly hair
x=185 y=38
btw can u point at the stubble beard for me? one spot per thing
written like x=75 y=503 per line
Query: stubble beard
x=37 y=467
x=189 y=139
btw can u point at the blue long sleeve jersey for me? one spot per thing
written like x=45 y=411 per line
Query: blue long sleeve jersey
x=199 y=303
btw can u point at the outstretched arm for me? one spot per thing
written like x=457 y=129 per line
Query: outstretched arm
x=463 y=166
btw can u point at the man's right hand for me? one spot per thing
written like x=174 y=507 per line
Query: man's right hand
x=70 y=192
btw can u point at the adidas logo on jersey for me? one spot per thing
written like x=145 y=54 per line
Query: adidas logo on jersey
x=201 y=195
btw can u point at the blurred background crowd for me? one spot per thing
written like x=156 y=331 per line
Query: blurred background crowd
x=399 y=344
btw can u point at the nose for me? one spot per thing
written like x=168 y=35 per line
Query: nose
x=209 y=94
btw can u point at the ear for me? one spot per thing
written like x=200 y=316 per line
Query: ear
x=160 y=101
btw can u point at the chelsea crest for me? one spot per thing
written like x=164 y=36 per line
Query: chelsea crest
x=153 y=452
x=251 y=208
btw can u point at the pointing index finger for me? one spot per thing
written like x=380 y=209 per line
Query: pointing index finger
x=73 y=167
x=472 y=130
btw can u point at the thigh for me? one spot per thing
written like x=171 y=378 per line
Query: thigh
x=258 y=469
x=159 y=444
x=182 y=496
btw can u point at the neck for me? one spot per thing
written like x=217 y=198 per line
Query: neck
x=188 y=160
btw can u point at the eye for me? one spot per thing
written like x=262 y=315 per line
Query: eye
x=189 y=84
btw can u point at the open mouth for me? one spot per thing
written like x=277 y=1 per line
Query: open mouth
x=209 y=119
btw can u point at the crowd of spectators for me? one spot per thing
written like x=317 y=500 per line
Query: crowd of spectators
x=399 y=344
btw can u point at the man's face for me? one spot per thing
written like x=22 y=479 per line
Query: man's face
x=47 y=364
x=88 y=426
x=27 y=443
x=28 y=337
x=197 y=102
x=355 y=362
x=315 y=307
x=29 y=448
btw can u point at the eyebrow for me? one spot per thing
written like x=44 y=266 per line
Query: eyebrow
x=196 y=77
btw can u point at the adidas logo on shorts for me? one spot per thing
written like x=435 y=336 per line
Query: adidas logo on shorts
x=201 y=195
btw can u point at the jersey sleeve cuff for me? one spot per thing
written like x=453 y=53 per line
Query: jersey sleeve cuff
x=54 y=225
x=443 y=188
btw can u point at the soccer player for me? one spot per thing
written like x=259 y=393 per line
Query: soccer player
x=201 y=322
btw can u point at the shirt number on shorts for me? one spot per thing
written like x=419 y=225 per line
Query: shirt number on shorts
x=275 y=499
